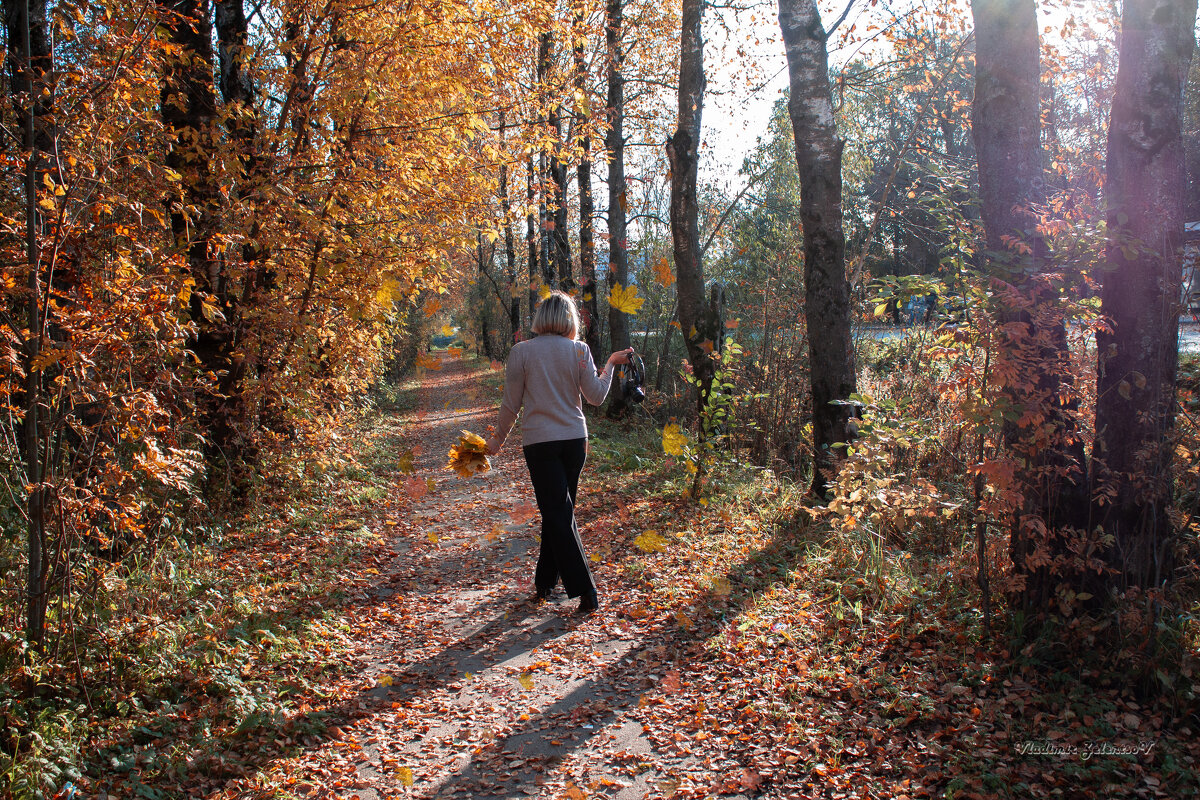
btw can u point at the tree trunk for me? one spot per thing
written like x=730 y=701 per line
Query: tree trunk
x=700 y=328
x=510 y=252
x=827 y=292
x=1135 y=408
x=614 y=144
x=1040 y=433
x=189 y=111
x=30 y=67
x=531 y=236
x=557 y=265
x=587 y=247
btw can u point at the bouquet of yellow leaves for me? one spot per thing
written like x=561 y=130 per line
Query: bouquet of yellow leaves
x=468 y=456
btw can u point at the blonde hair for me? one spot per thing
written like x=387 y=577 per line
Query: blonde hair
x=557 y=314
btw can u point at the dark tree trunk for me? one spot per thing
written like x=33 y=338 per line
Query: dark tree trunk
x=827 y=292
x=30 y=68
x=614 y=144
x=556 y=263
x=242 y=122
x=531 y=236
x=510 y=252
x=189 y=112
x=1135 y=407
x=700 y=327
x=560 y=241
x=1041 y=434
x=587 y=247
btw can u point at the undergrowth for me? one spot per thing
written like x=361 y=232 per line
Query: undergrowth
x=208 y=653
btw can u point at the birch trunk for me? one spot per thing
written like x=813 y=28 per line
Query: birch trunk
x=827 y=292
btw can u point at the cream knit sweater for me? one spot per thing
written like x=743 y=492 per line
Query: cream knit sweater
x=548 y=375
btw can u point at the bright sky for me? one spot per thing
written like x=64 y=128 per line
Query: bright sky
x=742 y=89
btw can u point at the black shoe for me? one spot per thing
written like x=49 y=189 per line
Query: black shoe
x=588 y=603
x=541 y=594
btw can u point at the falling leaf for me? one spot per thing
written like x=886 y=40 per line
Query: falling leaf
x=429 y=361
x=526 y=680
x=522 y=513
x=495 y=533
x=433 y=537
x=386 y=680
x=447 y=330
x=415 y=488
x=674 y=440
x=663 y=272
x=406 y=776
x=625 y=299
x=622 y=510
x=405 y=462
x=543 y=291
x=750 y=780
x=651 y=542
x=498 y=366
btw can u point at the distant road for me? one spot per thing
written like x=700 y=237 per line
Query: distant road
x=1189 y=333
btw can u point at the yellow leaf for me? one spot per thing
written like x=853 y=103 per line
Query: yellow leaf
x=433 y=537
x=543 y=291
x=625 y=299
x=526 y=680
x=674 y=440
x=447 y=330
x=389 y=292
x=651 y=542
x=386 y=680
x=406 y=776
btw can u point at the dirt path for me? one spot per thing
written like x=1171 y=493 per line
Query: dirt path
x=469 y=690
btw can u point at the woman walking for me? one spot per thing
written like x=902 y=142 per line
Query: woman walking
x=547 y=376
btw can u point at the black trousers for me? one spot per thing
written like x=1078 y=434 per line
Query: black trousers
x=554 y=469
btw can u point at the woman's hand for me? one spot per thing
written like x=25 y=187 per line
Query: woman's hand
x=620 y=357
x=493 y=445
